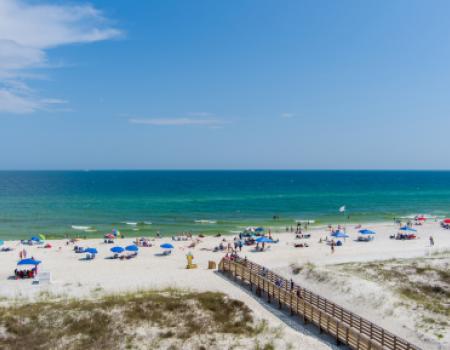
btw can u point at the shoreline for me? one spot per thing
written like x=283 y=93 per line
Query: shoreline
x=151 y=232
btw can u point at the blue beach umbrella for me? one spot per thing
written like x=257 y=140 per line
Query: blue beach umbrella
x=259 y=229
x=264 y=240
x=1 y=242
x=166 y=246
x=117 y=249
x=367 y=232
x=132 y=248
x=91 y=250
x=36 y=239
x=407 y=228
x=339 y=234
x=29 y=262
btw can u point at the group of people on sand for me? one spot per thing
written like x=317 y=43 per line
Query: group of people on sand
x=143 y=242
x=298 y=229
x=28 y=273
x=22 y=254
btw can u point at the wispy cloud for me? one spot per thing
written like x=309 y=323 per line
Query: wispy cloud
x=287 y=115
x=27 y=32
x=200 y=114
x=177 y=121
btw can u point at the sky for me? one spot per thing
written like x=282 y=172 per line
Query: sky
x=224 y=84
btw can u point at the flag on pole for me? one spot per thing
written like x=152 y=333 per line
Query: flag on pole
x=342 y=209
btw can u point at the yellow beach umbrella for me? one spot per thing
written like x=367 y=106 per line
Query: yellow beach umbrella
x=42 y=236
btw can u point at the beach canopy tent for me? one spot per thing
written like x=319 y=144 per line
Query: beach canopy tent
x=117 y=249
x=366 y=232
x=91 y=250
x=166 y=246
x=339 y=234
x=407 y=228
x=29 y=262
x=132 y=248
x=263 y=240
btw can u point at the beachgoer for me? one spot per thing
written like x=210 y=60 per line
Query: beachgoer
x=431 y=241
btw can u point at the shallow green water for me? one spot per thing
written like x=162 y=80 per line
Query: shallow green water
x=51 y=202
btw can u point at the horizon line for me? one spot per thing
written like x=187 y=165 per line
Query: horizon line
x=220 y=169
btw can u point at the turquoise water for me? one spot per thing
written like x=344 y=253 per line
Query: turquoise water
x=52 y=201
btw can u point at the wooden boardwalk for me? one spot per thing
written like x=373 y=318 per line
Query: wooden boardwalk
x=346 y=327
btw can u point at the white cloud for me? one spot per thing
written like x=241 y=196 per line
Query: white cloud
x=13 y=103
x=287 y=115
x=27 y=32
x=200 y=114
x=23 y=103
x=177 y=121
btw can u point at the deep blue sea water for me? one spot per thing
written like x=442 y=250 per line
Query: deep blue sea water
x=52 y=201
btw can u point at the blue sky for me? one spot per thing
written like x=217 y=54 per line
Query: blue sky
x=224 y=84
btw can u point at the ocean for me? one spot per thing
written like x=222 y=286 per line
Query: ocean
x=145 y=202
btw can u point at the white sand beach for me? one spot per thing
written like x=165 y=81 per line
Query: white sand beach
x=72 y=276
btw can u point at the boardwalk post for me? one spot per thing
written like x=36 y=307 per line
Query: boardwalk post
x=320 y=321
x=290 y=305
x=304 y=313
x=279 y=298
x=337 y=333
x=258 y=286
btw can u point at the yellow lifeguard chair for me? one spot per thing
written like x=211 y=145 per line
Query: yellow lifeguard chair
x=189 y=258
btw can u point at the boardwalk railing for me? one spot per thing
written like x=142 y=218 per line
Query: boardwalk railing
x=346 y=327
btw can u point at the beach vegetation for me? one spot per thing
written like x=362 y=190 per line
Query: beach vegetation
x=168 y=317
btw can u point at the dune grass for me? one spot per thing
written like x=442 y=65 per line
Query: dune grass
x=139 y=320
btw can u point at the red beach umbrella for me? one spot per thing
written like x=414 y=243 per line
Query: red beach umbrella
x=422 y=218
x=446 y=221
